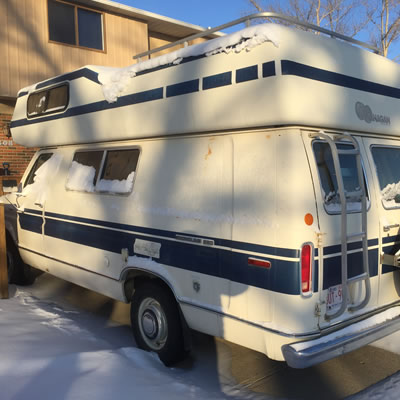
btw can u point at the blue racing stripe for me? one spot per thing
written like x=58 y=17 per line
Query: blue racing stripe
x=282 y=277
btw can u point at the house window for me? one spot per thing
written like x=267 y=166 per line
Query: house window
x=75 y=26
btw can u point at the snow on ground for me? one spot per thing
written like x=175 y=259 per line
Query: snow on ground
x=51 y=350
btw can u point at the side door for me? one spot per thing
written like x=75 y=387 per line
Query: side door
x=384 y=157
x=30 y=212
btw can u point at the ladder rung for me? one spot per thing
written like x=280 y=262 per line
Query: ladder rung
x=358 y=278
x=348 y=152
x=360 y=235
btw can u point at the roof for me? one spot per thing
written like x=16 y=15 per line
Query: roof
x=156 y=23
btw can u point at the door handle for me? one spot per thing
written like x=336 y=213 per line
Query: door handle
x=387 y=228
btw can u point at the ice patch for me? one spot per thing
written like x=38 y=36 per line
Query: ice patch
x=115 y=80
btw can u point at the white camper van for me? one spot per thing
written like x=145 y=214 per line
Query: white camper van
x=247 y=187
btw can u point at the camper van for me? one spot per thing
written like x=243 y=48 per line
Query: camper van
x=247 y=187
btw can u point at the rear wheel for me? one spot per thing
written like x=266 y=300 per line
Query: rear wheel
x=156 y=322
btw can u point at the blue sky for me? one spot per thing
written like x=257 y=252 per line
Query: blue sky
x=201 y=12
x=208 y=13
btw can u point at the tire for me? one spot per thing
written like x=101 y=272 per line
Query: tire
x=18 y=272
x=156 y=322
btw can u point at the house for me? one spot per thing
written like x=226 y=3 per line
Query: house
x=43 y=38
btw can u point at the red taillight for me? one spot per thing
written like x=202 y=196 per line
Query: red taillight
x=306 y=271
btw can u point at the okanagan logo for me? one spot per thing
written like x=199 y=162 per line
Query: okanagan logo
x=364 y=113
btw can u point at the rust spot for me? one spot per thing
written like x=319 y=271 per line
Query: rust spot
x=268 y=136
x=209 y=152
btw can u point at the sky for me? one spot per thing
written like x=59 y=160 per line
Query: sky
x=207 y=13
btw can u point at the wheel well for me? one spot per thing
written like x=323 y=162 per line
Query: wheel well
x=135 y=278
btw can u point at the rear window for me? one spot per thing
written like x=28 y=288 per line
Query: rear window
x=387 y=164
x=328 y=181
x=48 y=101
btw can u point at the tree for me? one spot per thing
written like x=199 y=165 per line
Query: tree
x=347 y=17
x=386 y=25
x=378 y=20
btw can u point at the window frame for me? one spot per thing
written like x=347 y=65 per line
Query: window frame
x=101 y=169
x=376 y=172
x=46 y=89
x=368 y=192
x=77 y=45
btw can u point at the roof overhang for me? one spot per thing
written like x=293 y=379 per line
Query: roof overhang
x=156 y=23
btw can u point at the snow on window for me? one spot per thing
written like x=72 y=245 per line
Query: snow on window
x=116 y=186
x=387 y=161
x=81 y=177
x=42 y=179
x=115 y=80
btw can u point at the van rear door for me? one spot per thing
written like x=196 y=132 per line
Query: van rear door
x=384 y=157
x=333 y=227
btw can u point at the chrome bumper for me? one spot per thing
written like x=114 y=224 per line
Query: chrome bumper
x=342 y=341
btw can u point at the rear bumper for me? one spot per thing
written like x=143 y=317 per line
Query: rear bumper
x=342 y=341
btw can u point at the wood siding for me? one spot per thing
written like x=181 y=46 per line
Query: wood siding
x=158 y=40
x=27 y=56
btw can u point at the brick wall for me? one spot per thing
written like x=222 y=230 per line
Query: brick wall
x=18 y=156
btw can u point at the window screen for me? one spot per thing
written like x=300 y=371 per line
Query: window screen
x=61 y=22
x=387 y=164
x=327 y=176
x=90 y=29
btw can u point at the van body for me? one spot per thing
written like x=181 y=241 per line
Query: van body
x=250 y=192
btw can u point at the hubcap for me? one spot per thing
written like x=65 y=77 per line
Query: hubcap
x=153 y=323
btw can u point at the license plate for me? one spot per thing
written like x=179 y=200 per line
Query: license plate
x=334 y=298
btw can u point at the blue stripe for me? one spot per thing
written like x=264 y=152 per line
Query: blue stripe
x=135 y=98
x=283 y=277
x=268 y=69
x=80 y=73
x=337 y=248
x=332 y=267
x=321 y=75
x=215 y=81
x=247 y=74
x=179 y=89
x=250 y=247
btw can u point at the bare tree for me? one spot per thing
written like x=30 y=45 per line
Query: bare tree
x=386 y=25
x=348 y=17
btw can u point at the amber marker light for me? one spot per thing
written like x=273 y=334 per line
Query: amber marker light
x=309 y=219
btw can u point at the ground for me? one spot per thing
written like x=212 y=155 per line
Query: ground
x=59 y=341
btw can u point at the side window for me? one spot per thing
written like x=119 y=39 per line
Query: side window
x=48 y=101
x=89 y=173
x=118 y=171
x=38 y=163
x=84 y=170
x=387 y=164
x=327 y=176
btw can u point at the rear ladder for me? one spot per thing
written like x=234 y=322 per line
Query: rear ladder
x=345 y=238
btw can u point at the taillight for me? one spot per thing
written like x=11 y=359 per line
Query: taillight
x=306 y=268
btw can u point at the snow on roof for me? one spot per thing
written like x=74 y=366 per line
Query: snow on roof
x=115 y=80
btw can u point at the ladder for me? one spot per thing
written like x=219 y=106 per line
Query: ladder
x=345 y=238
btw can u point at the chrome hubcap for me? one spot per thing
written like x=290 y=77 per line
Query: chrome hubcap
x=153 y=323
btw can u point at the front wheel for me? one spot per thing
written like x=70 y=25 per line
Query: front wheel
x=156 y=322
x=18 y=272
